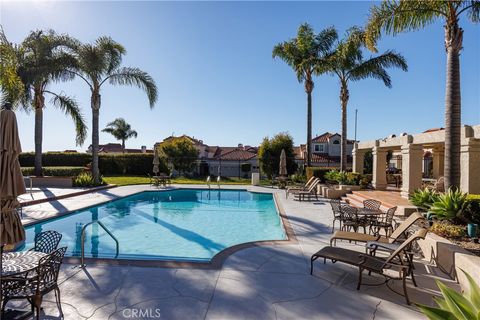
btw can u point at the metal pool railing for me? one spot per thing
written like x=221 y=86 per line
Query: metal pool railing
x=82 y=257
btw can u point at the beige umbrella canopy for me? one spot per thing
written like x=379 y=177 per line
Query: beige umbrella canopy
x=156 y=162
x=11 y=180
x=283 y=164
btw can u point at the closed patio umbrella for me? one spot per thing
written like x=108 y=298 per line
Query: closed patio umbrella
x=156 y=162
x=11 y=182
x=283 y=164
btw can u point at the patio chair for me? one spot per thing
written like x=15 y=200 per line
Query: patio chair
x=386 y=223
x=372 y=204
x=394 y=237
x=47 y=241
x=299 y=188
x=383 y=266
x=337 y=213
x=351 y=220
x=34 y=288
x=311 y=191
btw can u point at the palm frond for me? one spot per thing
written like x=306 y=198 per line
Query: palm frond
x=375 y=67
x=70 y=107
x=112 y=52
x=396 y=16
x=135 y=77
x=473 y=10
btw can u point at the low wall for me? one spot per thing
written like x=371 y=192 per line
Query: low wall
x=451 y=258
x=49 y=182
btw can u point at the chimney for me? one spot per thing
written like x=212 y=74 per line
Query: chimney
x=240 y=146
x=144 y=149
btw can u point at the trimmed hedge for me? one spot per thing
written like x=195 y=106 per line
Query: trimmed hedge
x=317 y=172
x=55 y=171
x=109 y=164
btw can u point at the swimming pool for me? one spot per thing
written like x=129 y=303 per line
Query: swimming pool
x=182 y=224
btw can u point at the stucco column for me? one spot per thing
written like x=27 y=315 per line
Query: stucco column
x=438 y=156
x=470 y=165
x=379 y=180
x=412 y=156
x=358 y=159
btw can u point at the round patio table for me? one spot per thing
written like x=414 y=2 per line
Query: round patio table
x=20 y=262
x=369 y=212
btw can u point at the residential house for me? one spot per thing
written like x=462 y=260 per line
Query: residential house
x=325 y=151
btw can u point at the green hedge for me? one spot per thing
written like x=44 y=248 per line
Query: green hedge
x=55 y=171
x=472 y=208
x=317 y=172
x=109 y=164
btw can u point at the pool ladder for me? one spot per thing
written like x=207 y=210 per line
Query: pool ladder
x=82 y=257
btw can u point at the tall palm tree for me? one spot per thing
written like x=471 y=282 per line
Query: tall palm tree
x=303 y=54
x=98 y=63
x=349 y=65
x=121 y=130
x=43 y=61
x=11 y=86
x=396 y=16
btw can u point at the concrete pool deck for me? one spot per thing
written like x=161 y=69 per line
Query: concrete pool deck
x=268 y=281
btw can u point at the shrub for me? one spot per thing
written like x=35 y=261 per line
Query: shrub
x=424 y=199
x=85 y=179
x=472 y=209
x=454 y=305
x=317 y=172
x=365 y=180
x=343 y=177
x=298 y=178
x=55 y=171
x=56 y=159
x=449 y=206
x=448 y=230
x=269 y=153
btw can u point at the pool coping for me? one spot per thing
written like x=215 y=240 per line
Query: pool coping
x=217 y=260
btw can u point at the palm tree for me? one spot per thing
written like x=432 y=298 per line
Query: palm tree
x=349 y=65
x=121 y=130
x=43 y=60
x=395 y=16
x=303 y=54
x=98 y=63
x=11 y=86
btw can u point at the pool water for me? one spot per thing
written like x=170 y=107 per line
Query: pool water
x=183 y=224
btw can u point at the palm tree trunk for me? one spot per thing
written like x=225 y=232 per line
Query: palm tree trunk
x=308 y=90
x=39 y=101
x=95 y=102
x=344 y=96
x=123 y=145
x=453 y=44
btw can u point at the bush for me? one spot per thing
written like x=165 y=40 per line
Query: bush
x=269 y=153
x=344 y=177
x=109 y=164
x=85 y=179
x=472 y=209
x=317 y=173
x=448 y=230
x=55 y=171
x=424 y=199
x=298 y=178
x=449 y=206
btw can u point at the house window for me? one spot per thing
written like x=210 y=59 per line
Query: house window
x=336 y=142
x=318 y=148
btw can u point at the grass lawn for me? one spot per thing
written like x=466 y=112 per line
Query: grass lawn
x=129 y=180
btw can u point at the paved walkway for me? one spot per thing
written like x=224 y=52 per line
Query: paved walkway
x=262 y=282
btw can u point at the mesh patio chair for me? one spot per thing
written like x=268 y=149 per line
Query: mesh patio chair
x=351 y=220
x=44 y=280
x=394 y=267
x=386 y=223
x=47 y=241
x=337 y=212
x=372 y=204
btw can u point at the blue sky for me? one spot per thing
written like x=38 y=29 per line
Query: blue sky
x=218 y=82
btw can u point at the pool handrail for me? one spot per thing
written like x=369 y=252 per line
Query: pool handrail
x=82 y=257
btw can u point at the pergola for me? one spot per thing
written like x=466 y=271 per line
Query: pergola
x=412 y=148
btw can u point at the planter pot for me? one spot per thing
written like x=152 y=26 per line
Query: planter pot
x=472 y=230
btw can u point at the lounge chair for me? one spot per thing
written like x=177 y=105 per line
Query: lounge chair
x=311 y=191
x=384 y=266
x=361 y=237
x=299 y=188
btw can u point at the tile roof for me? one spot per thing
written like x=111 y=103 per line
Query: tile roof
x=323 y=138
x=237 y=154
x=325 y=158
x=433 y=130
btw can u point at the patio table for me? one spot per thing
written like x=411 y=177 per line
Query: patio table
x=369 y=212
x=20 y=262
